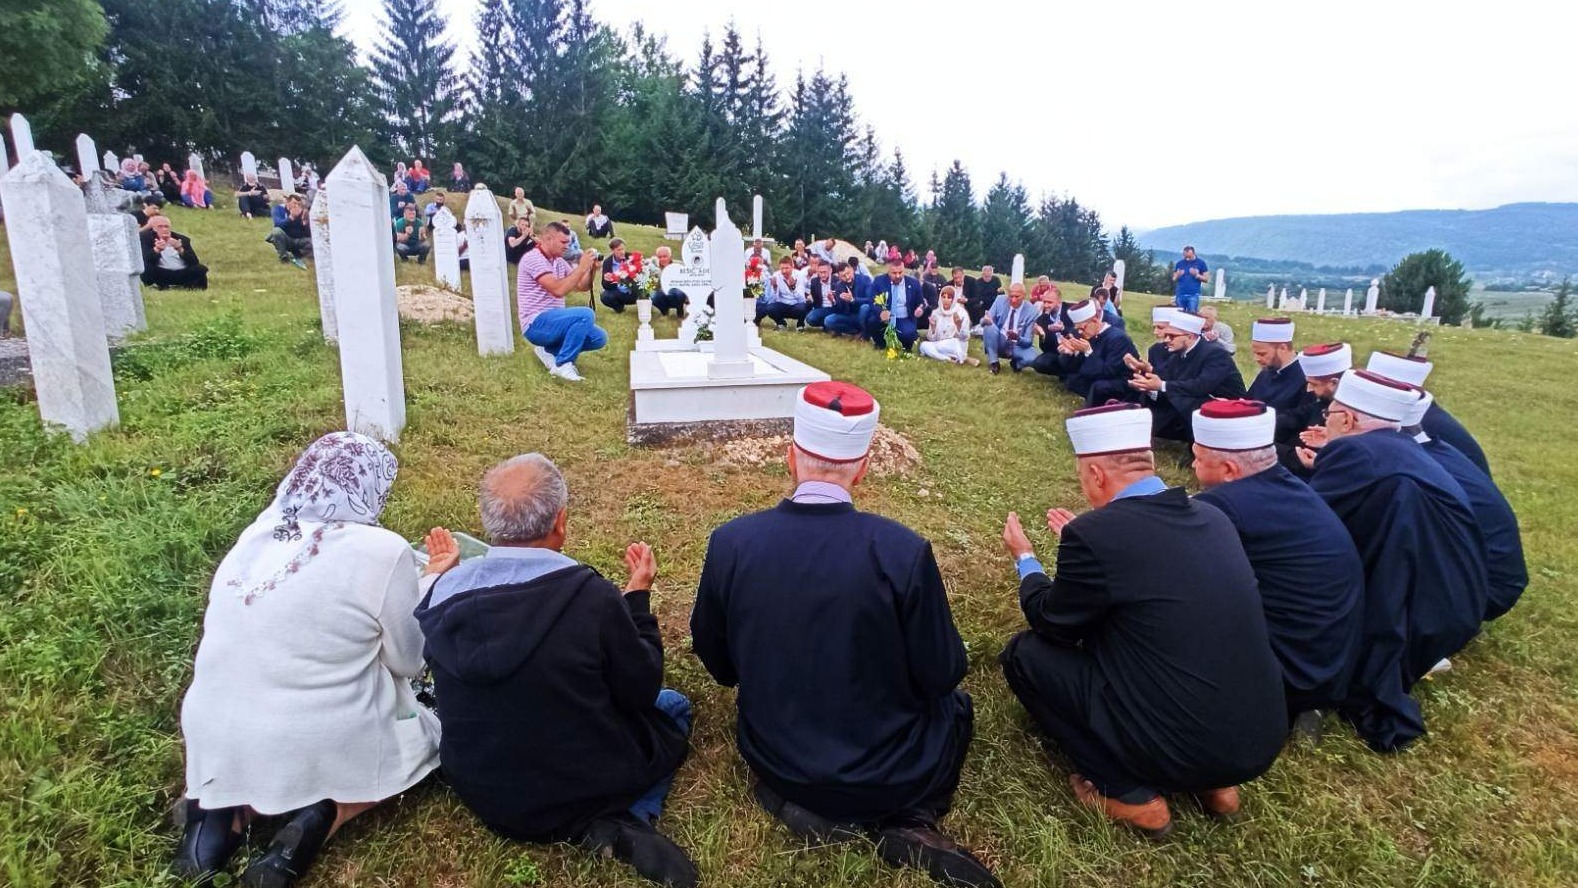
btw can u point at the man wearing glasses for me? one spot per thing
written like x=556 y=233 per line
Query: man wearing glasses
x=1194 y=373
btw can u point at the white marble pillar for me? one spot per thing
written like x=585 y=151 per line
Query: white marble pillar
x=5 y=162
x=87 y=155
x=1347 y=302
x=1372 y=297
x=730 y=359
x=1221 y=283
x=287 y=176
x=249 y=163
x=1282 y=300
x=194 y=161
x=490 y=274
x=1271 y=296
x=47 y=226
x=756 y=216
x=1016 y=270
x=1320 y=302
x=323 y=263
x=446 y=249
x=21 y=136
x=1429 y=310
x=370 y=361
x=1304 y=296
x=117 y=264
x=1119 y=269
x=111 y=162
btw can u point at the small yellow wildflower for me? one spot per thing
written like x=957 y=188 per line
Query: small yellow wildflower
x=155 y=472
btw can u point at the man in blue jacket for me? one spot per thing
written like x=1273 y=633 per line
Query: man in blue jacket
x=1009 y=327
x=897 y=302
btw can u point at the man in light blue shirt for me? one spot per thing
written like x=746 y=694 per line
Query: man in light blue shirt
x=786 y=296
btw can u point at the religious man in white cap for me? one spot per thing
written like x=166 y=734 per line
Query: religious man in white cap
x=848 y=664
x=1438 y=423
x=1147 y=662
x=1158 y=352
x=1280 y=384
x=1505 y=568
x=1424 y=560
x=1093 y=362
x=1196 y=372
x=1311 y=580
x=1323 y=366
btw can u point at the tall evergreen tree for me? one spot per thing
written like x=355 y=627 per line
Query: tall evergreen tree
x=1005 y=224
x=957 y=224
x=1403 y=288
x=416 y=86
x=1141 y=272
x=491 y=145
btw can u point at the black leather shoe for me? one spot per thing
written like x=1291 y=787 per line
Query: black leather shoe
x=996 y=368
x=926 y=848
x=294 y=848
x=630 y=839
x=207 y=844
x=807 y=826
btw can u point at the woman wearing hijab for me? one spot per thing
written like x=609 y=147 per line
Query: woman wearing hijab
x=169 y=182
x=195 y=192
x=948 y=336
x=300 y=703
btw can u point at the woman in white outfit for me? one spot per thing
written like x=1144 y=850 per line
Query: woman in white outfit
x=948 y=337
x=301 y=702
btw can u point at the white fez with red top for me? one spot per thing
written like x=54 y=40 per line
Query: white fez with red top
x=1237 y=424
x=1416 y=412
x=1376 y=395
x=1186 y=322
x=835 y=421
x=1413 y=371
x=1115 y=428
x=1272 y=330
x=1327 y=359
x=1080 y=312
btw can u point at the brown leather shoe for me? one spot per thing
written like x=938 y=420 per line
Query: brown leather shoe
x=1222 y=803
x=1151 y=819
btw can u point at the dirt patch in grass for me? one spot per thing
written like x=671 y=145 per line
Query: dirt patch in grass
x=432 y=305
x=891 y=452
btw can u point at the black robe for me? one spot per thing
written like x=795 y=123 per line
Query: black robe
x=1311 y=580
x=1204 y=372
x=1186 y=692
x=1283 y=390
x=1157 y=356
x=1424 y=573
x=1505 y=568
x=1101 y=374
x=1443 y=426
x=847 y=663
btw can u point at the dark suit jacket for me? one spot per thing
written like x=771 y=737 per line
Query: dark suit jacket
x=914 y=295
x=1206 y=371
x=150 y=259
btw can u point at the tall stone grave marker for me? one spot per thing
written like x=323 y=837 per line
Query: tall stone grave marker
x=691 y=275
x=1119 y=268
x=1221 y=283
x=370 y=362
x=194 y=161
x=249 y=164
x=1320 y=302
x=87 y=155
x=1282 y=300
x=5 y=163
x=1372 y=296
x=117 y=264
x=1347 y=302
x=323 y=263
x=446 y=249
x=730 y=359
x=490 y=272
x=21 y=136
x=287 y=176
x=1271 y=295
x=1304 y=299
x=1016 y=274
x=111 y=162
x=47 y=226
x=756 y=216
x=1429 y=310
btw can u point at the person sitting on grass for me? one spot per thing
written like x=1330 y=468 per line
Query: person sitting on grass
x=169 y=182
x=169 y=260
x=558 y=333
x=662 y=300
x=549 y=681
x=1009 y=327
x=420 y=177
x=903 y=306
x=518 y=240
x=617 y=294
x=948 y=336
x=410 y=236
x=399 y=199
x=851 y=303
x=291 y=237
x=301 y=703
x=784 y=297
x=195 y=192
x=459 y=179
x=251 y=197
x=598 y=225
x=431 y=210
x=521 y=207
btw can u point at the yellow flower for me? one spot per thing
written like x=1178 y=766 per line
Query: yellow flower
x=155 y=472
x=893 y=354
x=20 y=512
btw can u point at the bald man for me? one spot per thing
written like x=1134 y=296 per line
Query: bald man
x=1009 y=328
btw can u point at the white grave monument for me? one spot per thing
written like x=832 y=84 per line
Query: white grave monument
x=287 y=176
x=370 y=362
x=1118 y=269
x=194 y=161
x=117 y=264
x=249 y=164
x=1016 y=274
x=675 y=225
x=111 y=162
x=21 y=137
x=1347 y=302
x=1372 y=296
x=1221 y=284
x=678 y=388
x=691 y=275
x=47 y=226
x=756 y=216
x=490 y=280
x=1271 y=295
x=1429 y=310
x=1320 y=302
x=1282 y=300
x=446 y=249
x=87 y=155
x=323 y=263
x=1304 y=299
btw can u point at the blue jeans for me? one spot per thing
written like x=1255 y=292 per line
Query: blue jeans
x=566 y=332
x=208 y=198
x=818 y=317
x=1188 y=301
x=674 y=705
x=844 y=324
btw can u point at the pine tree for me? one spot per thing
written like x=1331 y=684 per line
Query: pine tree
x=1558 y=319
x=416 y=86
x=1403 y=288
x=956 y=233
x=1005 y=223
x=491 y=146
x=1141 y=272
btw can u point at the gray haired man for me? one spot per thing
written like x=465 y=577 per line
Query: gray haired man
x=549 y=682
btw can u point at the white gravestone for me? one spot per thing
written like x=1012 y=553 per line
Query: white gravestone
x=1221 y=283
x=249 y=164
x=137 y=157
x=1372 y=296
x=731 y=359
x=1016 y=274
x=691 y=275
x=111 y=162
x=1282 y=300
x=370 y=361
x=446 y=249
x=1271 y=295
x=756 y=216
x=5 y=164
x=21 y=136
x=47 y=226
x=323 y=263
x=194 y=162
x=1304 y=296
x=117 y=264
x=287 y=176
x=1119 y=268
x=490 y=277
x=1347 y=302
x=1430 y=304
x=87 y=155
x=1320 y=302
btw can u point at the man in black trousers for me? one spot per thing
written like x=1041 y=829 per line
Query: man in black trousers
x=1196 y=372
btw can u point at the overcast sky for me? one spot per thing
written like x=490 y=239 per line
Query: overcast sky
x=1163 y=113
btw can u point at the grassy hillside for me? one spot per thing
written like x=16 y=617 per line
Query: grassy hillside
x=106 y=552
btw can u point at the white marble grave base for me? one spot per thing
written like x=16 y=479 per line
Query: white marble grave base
x=673 y=387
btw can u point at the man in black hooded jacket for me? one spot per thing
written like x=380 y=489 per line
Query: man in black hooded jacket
x=549 y=683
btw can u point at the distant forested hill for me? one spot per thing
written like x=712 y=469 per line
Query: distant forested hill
x=1526 y=240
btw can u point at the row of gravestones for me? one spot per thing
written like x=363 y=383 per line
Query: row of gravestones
x=1372 y=298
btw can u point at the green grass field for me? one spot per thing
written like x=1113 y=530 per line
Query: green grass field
x=106 y=552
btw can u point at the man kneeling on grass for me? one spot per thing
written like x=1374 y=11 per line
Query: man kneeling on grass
x=549 y=681
x=558 y=333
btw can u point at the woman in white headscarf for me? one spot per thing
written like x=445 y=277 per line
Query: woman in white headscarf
x=948 y=336
x=301 y=702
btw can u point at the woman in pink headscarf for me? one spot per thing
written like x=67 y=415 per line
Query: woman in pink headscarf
x=195 y=192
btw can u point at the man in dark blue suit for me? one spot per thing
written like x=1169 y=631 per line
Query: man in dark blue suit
x=1438 y=423
x=1196 y=372
x=897 y=302
x=1093 y=361
x=1280 y=383
x=850 y=304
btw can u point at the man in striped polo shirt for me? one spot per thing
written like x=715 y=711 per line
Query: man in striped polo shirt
x=558 y=333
